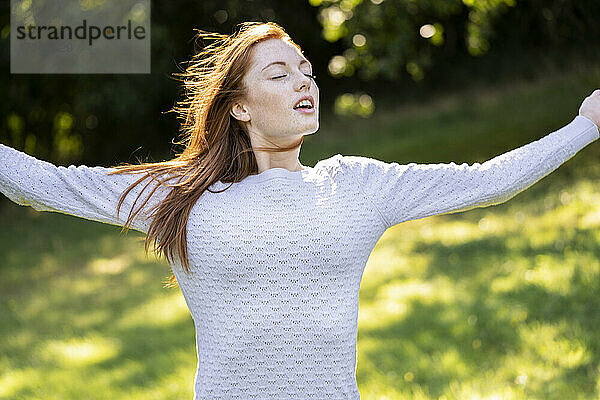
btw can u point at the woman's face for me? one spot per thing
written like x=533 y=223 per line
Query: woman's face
x=274 y=90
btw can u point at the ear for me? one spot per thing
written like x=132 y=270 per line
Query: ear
x=239 y=112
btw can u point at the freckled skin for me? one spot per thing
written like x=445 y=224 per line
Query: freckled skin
x=268 y=111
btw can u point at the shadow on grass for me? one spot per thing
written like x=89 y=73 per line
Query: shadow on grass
x=70 y=320
x=523 y=318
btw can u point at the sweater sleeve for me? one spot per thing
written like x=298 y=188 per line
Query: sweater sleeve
x=403 y=192
x=81 y=191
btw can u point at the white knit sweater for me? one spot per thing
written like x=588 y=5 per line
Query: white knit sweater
x=277 y=259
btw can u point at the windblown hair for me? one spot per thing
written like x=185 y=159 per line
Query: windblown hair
x=217 y=146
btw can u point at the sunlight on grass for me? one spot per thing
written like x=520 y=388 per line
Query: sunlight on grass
x=551 y=274
x=164 y=310
x=456 y=232
x=544 y=271
x=174 y=384
x=114 y=265
x=554 y=351
x=393 y=300
x=474 y=391
x=587 y=193
x=80 y=351
x=387 y=261
x=14 y=380
x=549 y=353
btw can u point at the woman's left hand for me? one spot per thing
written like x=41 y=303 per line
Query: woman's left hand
x=590 y=107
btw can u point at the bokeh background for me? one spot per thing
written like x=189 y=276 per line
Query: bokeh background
x=494 y=303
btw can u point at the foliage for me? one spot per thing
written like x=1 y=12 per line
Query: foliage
x=386 y=37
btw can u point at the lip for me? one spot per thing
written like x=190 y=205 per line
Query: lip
x=309 y=98
x=306 y=110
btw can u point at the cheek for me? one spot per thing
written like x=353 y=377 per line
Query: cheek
x=274 y=115
x=269 y=99
x=271 y=105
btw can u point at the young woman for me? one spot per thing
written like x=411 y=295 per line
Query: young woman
x=269 y=253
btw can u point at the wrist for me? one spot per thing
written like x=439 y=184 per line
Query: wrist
x=591 y=120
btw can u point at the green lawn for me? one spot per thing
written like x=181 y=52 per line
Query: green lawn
x=494 y=303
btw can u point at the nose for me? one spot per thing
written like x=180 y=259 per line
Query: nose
x=304 y=82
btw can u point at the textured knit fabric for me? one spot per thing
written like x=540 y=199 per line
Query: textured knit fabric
x=277 y=259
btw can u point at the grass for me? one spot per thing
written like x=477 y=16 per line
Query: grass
x=494 y=303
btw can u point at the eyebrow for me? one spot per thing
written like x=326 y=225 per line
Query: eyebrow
x=283 y=63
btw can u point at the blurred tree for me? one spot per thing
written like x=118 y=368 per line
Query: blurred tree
x=107 y=119
x=384 y=37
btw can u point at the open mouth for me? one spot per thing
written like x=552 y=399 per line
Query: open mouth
x=305 y=104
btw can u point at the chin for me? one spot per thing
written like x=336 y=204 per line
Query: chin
x=310 y=129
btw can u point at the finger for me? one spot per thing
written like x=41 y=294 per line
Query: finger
x=596 y=92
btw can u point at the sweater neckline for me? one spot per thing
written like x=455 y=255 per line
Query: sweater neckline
x=276 y=172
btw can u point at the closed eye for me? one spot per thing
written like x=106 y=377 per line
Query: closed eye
x=314 y=77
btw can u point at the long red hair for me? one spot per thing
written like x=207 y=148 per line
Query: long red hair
x=217 y=146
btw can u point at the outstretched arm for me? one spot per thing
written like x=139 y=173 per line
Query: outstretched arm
x=86 y=192
x=403 y=192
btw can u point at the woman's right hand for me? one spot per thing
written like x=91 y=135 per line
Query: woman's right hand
x=590 y=107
